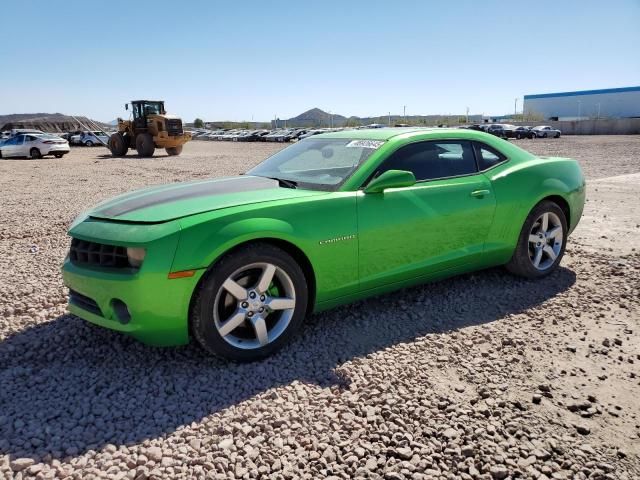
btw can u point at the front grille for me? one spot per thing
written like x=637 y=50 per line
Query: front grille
x=84 y=302
x=98 y=254
x=174 y=126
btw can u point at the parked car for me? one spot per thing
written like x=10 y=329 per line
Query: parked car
x=237 y=263
x=90 y=139
x=497 y=129
x=544 y=131
x=521 y=132
x=35 y=145
x=311 y=133
x=18 y=131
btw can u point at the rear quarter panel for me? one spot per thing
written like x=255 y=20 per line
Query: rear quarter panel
x=519 y=186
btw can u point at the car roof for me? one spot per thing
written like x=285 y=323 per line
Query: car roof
x=378 y=133
x=389 y=132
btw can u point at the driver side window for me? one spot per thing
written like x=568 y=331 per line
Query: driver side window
x=432 y=160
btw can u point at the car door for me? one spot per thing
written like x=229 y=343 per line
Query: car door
x=29 y=142
x=8 y=147
x=17 y=147
x=439 y=223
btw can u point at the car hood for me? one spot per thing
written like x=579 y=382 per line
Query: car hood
x=168 y=202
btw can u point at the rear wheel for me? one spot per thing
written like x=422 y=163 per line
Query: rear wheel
x=250 y=304
x=118 y=145
x=174 y=150
x=544 y=135
x=144 y=145
x=88 y=143
x=58 y=155
x=541 y=243
x=35 y=153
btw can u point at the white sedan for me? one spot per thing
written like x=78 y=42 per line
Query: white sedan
x=544 y=131
x=34 y=145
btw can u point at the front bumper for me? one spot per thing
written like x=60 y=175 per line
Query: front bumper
x=157 y=307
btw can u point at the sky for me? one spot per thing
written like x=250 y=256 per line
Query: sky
x=255 y=60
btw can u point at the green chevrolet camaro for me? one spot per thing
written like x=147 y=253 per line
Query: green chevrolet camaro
x=239 y=262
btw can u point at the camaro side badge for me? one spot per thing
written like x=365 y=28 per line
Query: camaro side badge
x=337 y=239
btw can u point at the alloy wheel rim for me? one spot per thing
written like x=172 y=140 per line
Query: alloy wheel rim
x=545 y=241
x=254 y=305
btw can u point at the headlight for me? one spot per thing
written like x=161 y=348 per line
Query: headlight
x=135 y=256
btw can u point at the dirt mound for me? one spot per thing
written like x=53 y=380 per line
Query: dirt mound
x=47 y=122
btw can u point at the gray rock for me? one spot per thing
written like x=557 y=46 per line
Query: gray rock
x=20 y=464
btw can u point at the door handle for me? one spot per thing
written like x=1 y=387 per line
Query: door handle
x=480 y=193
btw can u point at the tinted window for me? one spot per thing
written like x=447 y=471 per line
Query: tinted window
x=487 y=156
x=431 y=160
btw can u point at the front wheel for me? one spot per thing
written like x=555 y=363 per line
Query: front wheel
x=544 y=135
x=541 y=243
x=250 y=304
x=118 y=144
x=145 y=145
x=88 y=143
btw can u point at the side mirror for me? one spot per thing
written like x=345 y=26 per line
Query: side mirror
x=126 y=106
x=391 y=179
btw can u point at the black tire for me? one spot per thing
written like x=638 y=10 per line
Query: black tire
x=521 y=262
x=145 y=145
x=35 y=153
x=174 y=150
x=58 y=155
x=557 y=135
x=544 y=135
x=203 y=323
x=118 y=145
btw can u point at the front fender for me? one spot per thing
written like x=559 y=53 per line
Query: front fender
x=306 y=225
x=212 y=242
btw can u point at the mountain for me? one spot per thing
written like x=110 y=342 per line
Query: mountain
x=319 y=118
x=315 y=118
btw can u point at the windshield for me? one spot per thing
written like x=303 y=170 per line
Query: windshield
x=317 y=163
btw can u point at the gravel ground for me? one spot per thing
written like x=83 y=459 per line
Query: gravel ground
x=484 y=376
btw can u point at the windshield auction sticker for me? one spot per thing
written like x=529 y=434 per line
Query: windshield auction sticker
x=373 y=144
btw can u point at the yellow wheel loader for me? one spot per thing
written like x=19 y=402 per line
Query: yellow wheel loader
x=150 y=128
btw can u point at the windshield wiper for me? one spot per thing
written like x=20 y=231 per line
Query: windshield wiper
x=284 y=182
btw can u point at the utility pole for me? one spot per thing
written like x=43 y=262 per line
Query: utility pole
x=389 y=118
x=515 y=108
x=467 y=116
x=404 y=110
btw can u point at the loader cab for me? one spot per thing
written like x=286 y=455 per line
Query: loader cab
x=143 y=108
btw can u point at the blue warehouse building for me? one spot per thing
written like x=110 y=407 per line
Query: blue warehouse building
x=585 y=104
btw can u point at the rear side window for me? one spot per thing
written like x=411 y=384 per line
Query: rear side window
x=487 y=156
x=432 y=160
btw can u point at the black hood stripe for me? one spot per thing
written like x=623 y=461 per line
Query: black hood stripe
x=204 y=189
